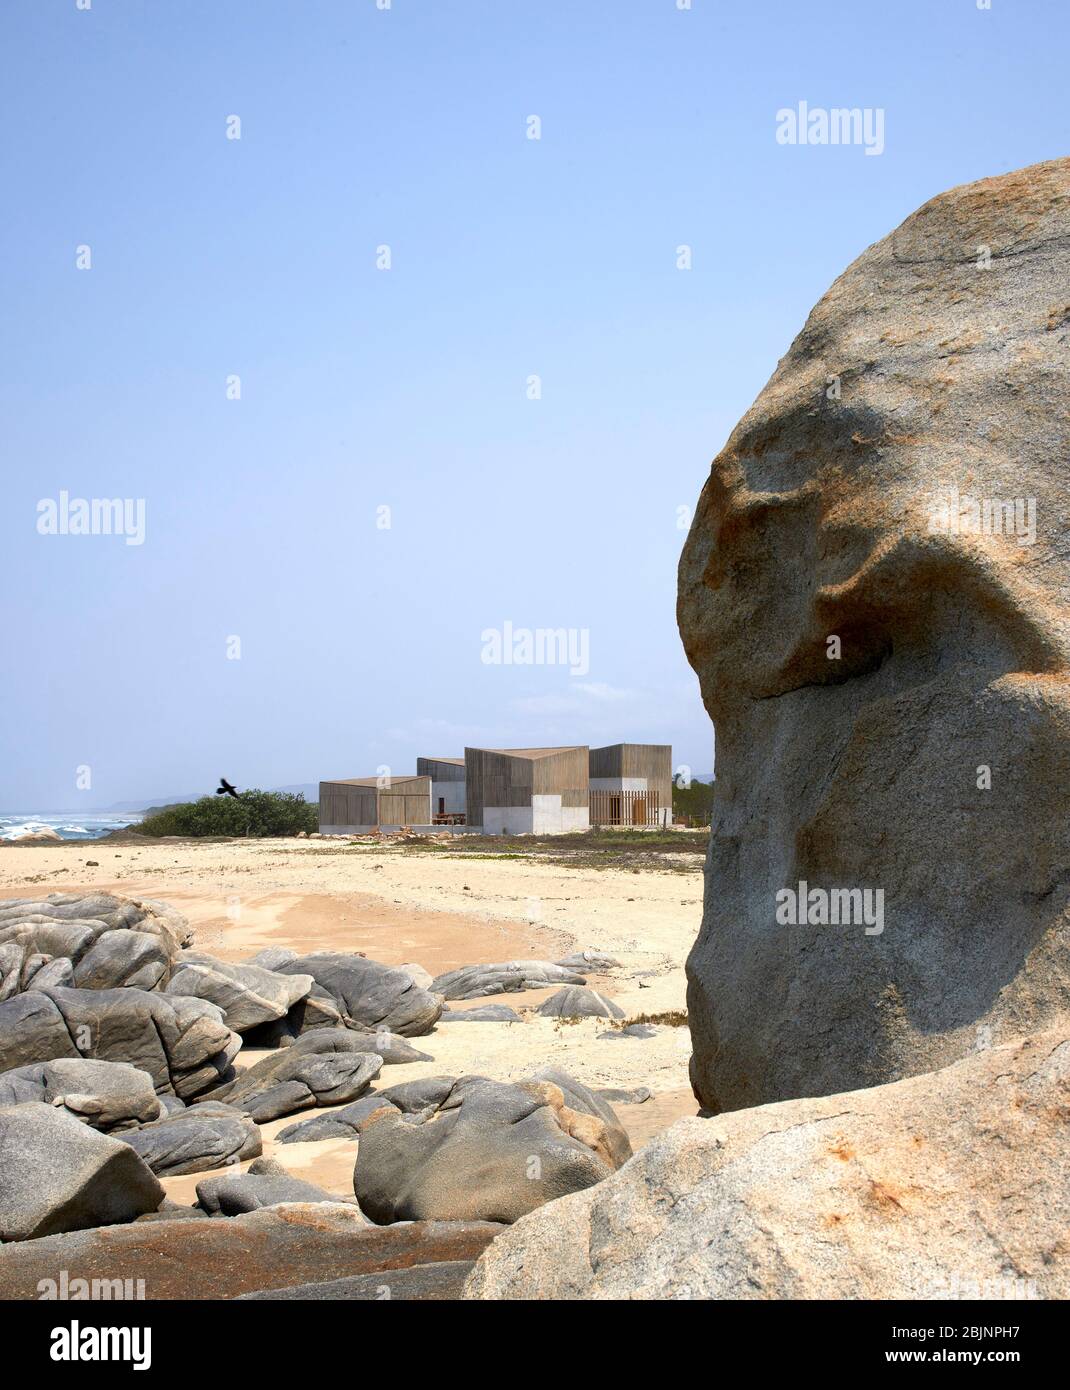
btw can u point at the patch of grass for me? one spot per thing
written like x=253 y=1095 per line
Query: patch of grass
x=669 y=851
x=672 y=1018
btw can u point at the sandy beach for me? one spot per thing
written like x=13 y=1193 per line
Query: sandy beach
x=440 y=910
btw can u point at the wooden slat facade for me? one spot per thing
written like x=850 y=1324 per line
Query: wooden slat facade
x=650 y=760
x=495 y=777
x=359 y=801
x=441 y=769
x=625 y=808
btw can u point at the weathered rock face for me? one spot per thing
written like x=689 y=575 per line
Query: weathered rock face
x=503 y=977
x=327 y=1067
x=182 y=1043
x=369 y=995
x=947 y=1185
x=92 y=940
x=343 y=1123
x=575 y=1002
x=274 y=1248
x=57 y=1174
x=108 y=1096
x=194 y=1140
x=232 y=1194
x=486 y=1151
x=926 y=753
x=248 y=994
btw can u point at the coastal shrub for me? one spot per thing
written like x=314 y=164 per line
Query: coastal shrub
x=693 y=804
x=255 y=813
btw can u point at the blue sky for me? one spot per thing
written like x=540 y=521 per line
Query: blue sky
x=408 y=388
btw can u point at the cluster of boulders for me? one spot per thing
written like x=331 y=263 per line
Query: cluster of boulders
x=118 y=1044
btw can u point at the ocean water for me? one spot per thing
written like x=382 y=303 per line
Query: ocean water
x=68 y=825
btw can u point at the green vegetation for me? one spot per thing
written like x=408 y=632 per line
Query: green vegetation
x=672 y=1018
x=693 y=804
x=669 y=851
x=255 y=813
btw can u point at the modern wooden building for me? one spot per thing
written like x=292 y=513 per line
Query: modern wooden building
x=355 y=804
x=516 y=791
x=447 y=788
x=631 y=784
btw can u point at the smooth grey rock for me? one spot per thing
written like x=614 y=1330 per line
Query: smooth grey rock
x=473 y=1158
x=368 y=994
x=417 y=974
x=486 y=1013
x=633 y=1030
x=573 y=1002
x=57 y=1174
x=325 y=1067
x=106 y=1095
x=103 y=911
x=639 y=1095
x=864 y=769
x=182 y=1043
x=196 y=1139
x=271 y=957
x=411 y=1097
x=394 y=1049
x=123 y=958
x=505 y=977
x=248 y=994
x=590 y=960
x=343 y=1123
x=58 y=973
x=231 y=1194
x=316 y=1010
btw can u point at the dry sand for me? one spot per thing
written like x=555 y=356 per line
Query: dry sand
x=438 y=910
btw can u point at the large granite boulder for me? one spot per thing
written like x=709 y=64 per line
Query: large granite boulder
x=874 y=595
x=488 y=1151
x=249 y=995
x=123 y=958
x=503 y=977
x=92 y=941
x=57 y=1174
x=109 y=1096
x=325 y=1067
x=182 y=1043
x=316 y=1009
x=197 y=1139
x=576 y=1002
x=951 y=1184
x=274 y=1248
x=369 y=995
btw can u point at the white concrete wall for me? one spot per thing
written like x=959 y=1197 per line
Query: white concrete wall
x=551 y=818
x=618 y=784
x=545 y=816
x=508 y=820
x=453 y=795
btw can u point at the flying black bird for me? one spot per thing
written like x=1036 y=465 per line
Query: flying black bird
x=225 y=789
